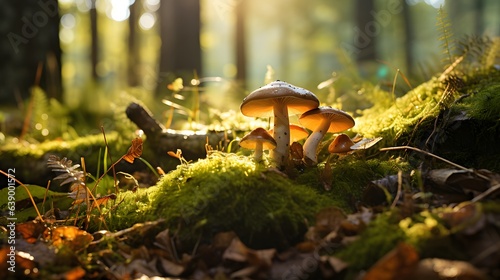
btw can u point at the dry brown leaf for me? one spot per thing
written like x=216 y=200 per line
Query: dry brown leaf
x=336 y=263
x=164 y=241
x=453 y=180
x=440 y=269
x=171 y=268
x=136 y=269
x=237 y=251
x=257 y=261
x=134 y=151
x=263 y=258
x=327 y=220
x=31 y=230
x=70 y=236
x=466 y=217
x=399 y=263
x=222 y=240
x=23 y=265
x=74 y=274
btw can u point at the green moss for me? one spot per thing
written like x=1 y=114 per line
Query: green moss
x=482 y=101
x=379 y=238
x=424 y=231
x=221 y=193
x=29 y=160
x=81 y=146
x=391 y=120
x=349 y=177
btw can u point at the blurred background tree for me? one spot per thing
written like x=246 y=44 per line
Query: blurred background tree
x=136 y=48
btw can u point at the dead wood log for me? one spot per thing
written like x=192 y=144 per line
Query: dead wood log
x=161 y=140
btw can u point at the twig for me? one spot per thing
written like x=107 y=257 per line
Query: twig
x=423 y=152
x=435 y=156
x=491 y=190
x=398 y=193
x=128 y=230
x=27 y=191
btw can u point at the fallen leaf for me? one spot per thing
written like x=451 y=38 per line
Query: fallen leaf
x=440 y=269
x=74 y=274
x=237 y=251
x=135 y=151
x=21 y=262
x=31 y=230
x=336 y=263
x=70 y=236
x=328 y=220
x=466 y=217
x=399 y=263
x=171 y=268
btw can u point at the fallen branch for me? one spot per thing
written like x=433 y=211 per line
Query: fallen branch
x=434 y=156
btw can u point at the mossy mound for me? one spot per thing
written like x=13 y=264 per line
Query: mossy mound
x=30 y=160
x=452 y=233
x=460 y=124
x=349 y=177
x=225 y=192
x=393 y=119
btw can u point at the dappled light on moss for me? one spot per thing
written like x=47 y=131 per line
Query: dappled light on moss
x=221 y=193
x=349 y=177
x=391 y=119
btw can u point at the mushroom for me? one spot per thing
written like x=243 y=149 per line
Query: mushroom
x=279 y=99
x=322 y=120
x=297 y=133
x=340 y=145
x=258 y=139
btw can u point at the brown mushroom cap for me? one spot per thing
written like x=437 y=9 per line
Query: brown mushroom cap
x=297 y=133
x=250 y=140
x=341 y=144
x=339 y=120
x=260 y=102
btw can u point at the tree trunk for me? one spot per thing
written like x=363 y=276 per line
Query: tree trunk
x=180 y=36
x=365 y=31
x=31 y=53
x=94 y=40
x=479 y=9
x=240 y=40
x=408 y=32
x=133 y=50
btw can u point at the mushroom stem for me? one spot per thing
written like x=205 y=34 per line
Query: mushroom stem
x=259 y=147
x=312 y=142
x=281 y=135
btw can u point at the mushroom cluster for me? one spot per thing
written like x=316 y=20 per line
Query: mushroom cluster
x=279 y=100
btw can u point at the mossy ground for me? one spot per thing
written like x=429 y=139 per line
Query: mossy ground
x=29 y=160
x=462 y=127
x=225 y=192
x=429 y=232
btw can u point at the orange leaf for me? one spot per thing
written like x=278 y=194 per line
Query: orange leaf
x=70 y=236
x=75 y=273
x=30 y=230
x=103 y=199
x=134 y=151
x=399 y=263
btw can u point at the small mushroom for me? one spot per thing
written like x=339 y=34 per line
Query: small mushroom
x=340 y=145
x=279 y=99
x=259 y=140
x=322 y=120
x=297 y=133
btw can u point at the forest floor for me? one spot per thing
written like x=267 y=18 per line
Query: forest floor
x=421 y=204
